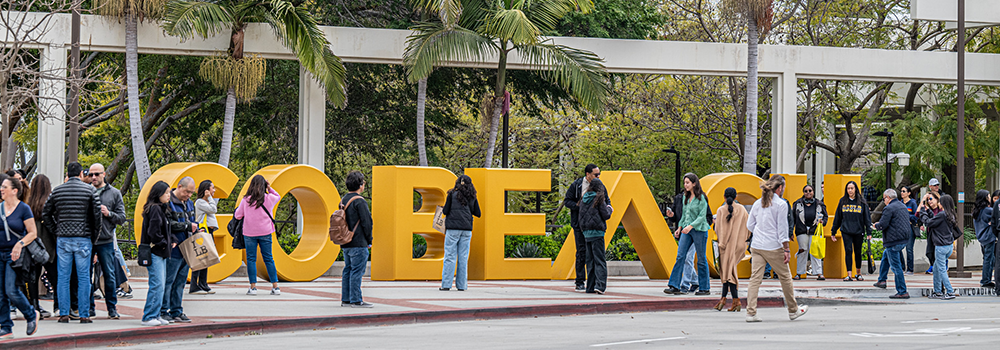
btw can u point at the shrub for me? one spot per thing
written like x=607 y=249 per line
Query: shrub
x=622 y=250
x=527 y=250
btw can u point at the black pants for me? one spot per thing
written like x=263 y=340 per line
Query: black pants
x=199 y=280
x=581 y=256
x=597 y=266
x=930 y=249
x=852 y=245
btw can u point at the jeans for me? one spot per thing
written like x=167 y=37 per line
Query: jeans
x=941 y=282
x=11 y=294
x=803 y=258
x=895 y=253
x=355 y=261
x=914 y=231
x=456 y=253
x=174 y=280
x=70 y=250
x=989 y=259
x=265 y=251
x=698 y=239
x=884 y=266
x=154 y=297
x=107 y=261
x=581 y=257
x=597 y=266
x=690 y=276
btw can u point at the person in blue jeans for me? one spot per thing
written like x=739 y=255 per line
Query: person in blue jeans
x=689 y=278
x=982 y=215
x=19 y=230
x=942 y=230
x=692 y=229
x=155 y=232
x=896 y=231
x=180 y=217
x=358 y=217
x=459 y=210
x=906 y=196
x=258 y=227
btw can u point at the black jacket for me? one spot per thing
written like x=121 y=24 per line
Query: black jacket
x=73 y=210
x=358 y=211
x=852 y=216
x=572 y=200
x=180 y=216
x=940 y=230
x=156 y=230
x=996 y=222
x=458 y=216
x=593 y=216
x=112 y=198
x=798 y=212
x=895 y=224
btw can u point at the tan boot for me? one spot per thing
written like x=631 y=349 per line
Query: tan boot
x=737 y=305
x=721 y=304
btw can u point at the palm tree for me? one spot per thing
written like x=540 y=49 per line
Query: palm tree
x=133 y=11
x=241 y=75
x=472 y=30
x=759 y=14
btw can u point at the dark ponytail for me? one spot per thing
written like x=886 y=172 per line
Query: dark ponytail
x=730 y=197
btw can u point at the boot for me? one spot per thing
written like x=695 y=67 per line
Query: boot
x=721 y=304
x=737 y=305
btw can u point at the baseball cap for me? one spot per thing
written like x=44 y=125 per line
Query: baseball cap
x=934 y=182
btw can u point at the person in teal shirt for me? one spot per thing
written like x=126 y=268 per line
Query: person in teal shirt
x=692 y=229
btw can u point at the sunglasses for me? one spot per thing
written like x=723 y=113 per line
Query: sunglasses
x=95 y=174
x=808 y=191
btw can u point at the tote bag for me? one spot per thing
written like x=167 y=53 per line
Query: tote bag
x=818 y=246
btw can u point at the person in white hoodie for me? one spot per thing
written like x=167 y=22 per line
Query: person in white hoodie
x=204 y=212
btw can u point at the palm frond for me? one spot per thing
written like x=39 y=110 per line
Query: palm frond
x=474 y=12
x=511 y=25
x=580 y=72
x=761 y=10
x=448 y=11
x=432 y=43
x=184 y=19
x=245 y=75
x=546 y=13
x=144 y=9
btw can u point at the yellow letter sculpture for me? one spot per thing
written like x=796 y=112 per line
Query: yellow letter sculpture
x=834 y=265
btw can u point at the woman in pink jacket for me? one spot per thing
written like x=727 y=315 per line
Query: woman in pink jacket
x=258 y=225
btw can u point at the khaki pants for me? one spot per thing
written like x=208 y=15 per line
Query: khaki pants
x=759 y=258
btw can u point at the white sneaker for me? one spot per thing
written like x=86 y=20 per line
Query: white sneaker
x=754 y=318
x=275 y=291
x=802 y=311
x=164 y=321
x=151 y=323
x=252 y=291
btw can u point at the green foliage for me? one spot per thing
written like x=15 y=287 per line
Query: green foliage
x=526 y=250
x=547 y=247
x=619 y=19
x=621 y=249
x=877 y=248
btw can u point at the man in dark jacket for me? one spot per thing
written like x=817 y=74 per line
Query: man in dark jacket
x=996 y=231
x=73 y=212
x=573 y=196
x=180 y=217
x=355 y=252
x=895 y=226
x=112 y=215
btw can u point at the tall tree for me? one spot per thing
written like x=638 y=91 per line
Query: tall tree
x=759 y=14
x=473 y=30
x=133 y=12
x=242 y=75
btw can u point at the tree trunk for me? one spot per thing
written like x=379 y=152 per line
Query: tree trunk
x=497 y=105
x=421 y=105
x=134 y=115
x=750 y=149
x=227 y=127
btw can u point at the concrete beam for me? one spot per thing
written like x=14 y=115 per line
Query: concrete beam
x=983 y=11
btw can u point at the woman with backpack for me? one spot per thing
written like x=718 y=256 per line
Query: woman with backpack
x=942 y=230
x=692 y=229
x=459 y=209
x=731 y=228
x=258 y=225
x=854 y=221
x=593 y=217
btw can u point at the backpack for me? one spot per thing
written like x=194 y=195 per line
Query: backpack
x=339 y=234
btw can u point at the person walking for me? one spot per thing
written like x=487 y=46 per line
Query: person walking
x=573 y=196
x=934 y=186
x=689 y=276
x=854 y=221
x=807 y=213
x=19 y=231
x=768 y=222
x=258 y=226
x=41 y=188
x=942 y=230
x=180 y=217
x=895 y=227
x=731 y=228
x=355 y=252
x=204 y=211
x=982 y=215
x=593 y=220
x=459 y=210
x=112 y=215
x=995 y=225
x=157 y=234
x=73 y=212
x=693 y=233
x=906 y=196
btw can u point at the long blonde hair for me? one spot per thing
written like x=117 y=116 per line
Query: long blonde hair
x=768 y=187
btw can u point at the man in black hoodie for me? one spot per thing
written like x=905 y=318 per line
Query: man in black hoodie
x=572 y=200
x=358 y=218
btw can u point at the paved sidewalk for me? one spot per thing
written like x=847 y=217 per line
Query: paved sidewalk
x=321 y=299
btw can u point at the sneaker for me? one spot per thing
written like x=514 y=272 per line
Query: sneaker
x=33 y=325
x=934 y=295
x=580 y=289
x=345 y=304
x=124 y=295
x=275 y=291
x=182 y=319
x=900 y=296
x=252 y=291
x=801 y=311
x=210 y=291
x=164 y=321
x=930 y=271
x=880 y=285
x=113 y=314
x=694 y=288
x=44 y=313
x=703 y=292
x=601 y=292
x=8 y=335
x=363 y=305
x=947 y=297
x=167 y=318
x=908 y=273
x=444 y=289
x=199 y=292
x=154 y=322
x=74 y=315
x=673 y=290
x=754 y=318
x=988 y=285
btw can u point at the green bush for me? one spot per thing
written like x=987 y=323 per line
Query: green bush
x=288 y=241
x=527 y=250
x=548 y=247
x=877 y=249
x=621 y=250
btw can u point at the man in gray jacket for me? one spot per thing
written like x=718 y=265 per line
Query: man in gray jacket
x=112 y=215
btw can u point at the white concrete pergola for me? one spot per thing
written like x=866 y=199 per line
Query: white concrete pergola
x=785 y=64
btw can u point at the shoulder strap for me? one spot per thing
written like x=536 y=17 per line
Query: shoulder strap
x=3 y=217
x=345 y=213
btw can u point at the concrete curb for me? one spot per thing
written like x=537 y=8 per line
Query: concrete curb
x=236 y=328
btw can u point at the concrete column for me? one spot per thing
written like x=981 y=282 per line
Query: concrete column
x=783 y=129
x=826 y=162
x=312 y=121
x=52 y=113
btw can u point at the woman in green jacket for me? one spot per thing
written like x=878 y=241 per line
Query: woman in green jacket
x=692 y=231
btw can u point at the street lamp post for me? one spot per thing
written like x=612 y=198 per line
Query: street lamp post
x=960 y=170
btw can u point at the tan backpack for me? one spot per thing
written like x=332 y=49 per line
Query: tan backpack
x=339 y=234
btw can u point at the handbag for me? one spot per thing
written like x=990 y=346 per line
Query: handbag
x=438 y=219
x=235 y=228
x=144 y=256
x=35 y=248
x=817 y=247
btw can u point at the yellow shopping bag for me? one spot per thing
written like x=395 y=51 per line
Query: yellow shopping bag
x=818 y=246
